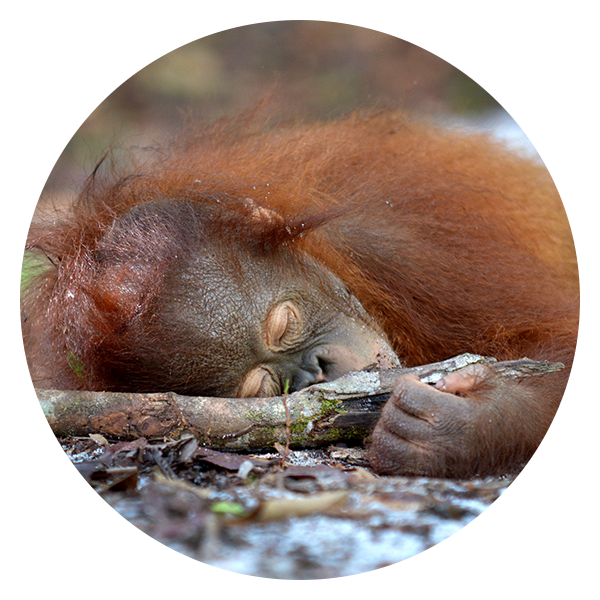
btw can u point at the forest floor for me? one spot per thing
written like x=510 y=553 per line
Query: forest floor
x=315 y=514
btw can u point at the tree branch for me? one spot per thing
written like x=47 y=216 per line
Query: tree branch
x=343 y=410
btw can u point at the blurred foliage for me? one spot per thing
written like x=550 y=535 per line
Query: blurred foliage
x=318 y=69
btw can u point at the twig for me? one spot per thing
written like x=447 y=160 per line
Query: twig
x=288 y=427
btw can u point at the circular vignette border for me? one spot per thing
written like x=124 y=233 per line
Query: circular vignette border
x=410 y=568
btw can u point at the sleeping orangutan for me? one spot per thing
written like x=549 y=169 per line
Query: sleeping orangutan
x=241 y=257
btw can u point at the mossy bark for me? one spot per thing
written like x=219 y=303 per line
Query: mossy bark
x=343 y=410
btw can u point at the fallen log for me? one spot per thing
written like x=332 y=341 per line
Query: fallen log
x=343 y=410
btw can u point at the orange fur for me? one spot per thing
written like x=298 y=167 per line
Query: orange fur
x=449 y=241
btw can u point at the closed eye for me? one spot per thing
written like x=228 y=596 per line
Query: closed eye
x=259 y=383
x=282 y=327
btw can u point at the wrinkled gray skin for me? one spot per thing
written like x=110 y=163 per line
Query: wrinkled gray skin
x=327 y=332
x=234 y=315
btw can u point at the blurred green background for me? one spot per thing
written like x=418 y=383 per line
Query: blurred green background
x=318 y=69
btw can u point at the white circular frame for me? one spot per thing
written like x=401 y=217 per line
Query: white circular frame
x=410 y=568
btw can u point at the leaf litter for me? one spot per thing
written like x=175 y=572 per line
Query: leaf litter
x=321 y=514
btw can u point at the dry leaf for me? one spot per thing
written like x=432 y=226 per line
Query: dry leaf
x=99 y=439
x=272 y=510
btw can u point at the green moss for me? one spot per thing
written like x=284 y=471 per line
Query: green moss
x=255 y=415
x=329 y=406
x=270 y=432
x=299 y=427
x=352 y=434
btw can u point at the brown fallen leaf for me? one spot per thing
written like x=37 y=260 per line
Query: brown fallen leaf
x=99 y=439
x=121 y=480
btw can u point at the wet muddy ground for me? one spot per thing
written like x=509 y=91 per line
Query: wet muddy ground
x=318 y=514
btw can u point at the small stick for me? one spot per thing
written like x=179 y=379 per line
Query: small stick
x=288 y=427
